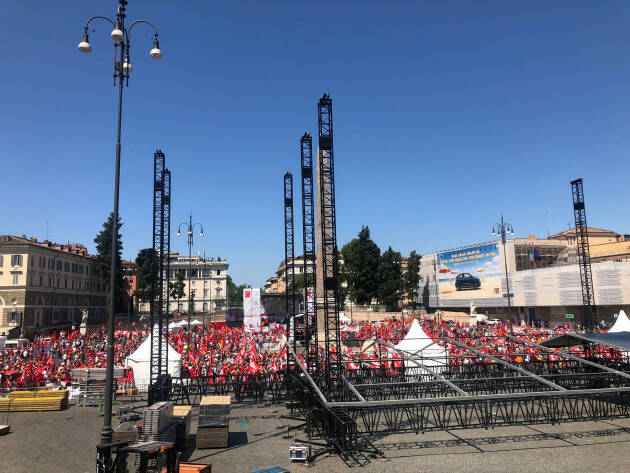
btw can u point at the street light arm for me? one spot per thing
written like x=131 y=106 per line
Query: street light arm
x=87 y=23
x=141 y=21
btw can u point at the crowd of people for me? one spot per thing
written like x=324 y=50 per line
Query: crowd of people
x=50 y=357
x=219 y=350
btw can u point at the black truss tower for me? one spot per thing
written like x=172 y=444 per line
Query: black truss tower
x=330 y=261
x=584 y=254
x=308 y=241
x=289 y=252
x=161 y=248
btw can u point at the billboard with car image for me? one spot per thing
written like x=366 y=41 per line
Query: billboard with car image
x=470 y=273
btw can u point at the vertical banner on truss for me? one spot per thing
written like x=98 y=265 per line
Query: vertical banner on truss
x=252 y=309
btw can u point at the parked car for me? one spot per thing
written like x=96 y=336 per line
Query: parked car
x=494 y=322
x=467 y=281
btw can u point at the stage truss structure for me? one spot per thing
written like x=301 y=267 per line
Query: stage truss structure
x=584 y=254
x=330 y=378
x=161 y=249
x=311 y=341
x=289 y=258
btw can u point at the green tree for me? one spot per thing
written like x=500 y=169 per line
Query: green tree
x=235 y=293
x=411 y=279
x=177 y=288
x=390 y=279
x=361 y=258
x=147 y=285
x=104 y=258
x=299 y=282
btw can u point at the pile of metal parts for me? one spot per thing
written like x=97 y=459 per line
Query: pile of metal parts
x=91 y=383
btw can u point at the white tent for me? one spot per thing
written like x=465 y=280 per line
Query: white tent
x=343 y=319
x=172 y=325
x=140 y=361
x=196 y=322
x=622 y=324
x=182 y=323
x=417 y=344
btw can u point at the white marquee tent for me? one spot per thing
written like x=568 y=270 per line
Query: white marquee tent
x=140 y=361
x=417 y=344
x=622 y=324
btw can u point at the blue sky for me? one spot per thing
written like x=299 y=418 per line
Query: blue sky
x=446 y=114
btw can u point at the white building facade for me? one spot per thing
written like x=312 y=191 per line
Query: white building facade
x=208 y=284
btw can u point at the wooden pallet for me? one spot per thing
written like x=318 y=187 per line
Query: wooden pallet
x=40 y=400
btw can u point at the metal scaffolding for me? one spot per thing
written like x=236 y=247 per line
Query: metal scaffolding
x=308 y=241
x=289 y=257
x=332 y=382
x=584 y=254
x=161 y=250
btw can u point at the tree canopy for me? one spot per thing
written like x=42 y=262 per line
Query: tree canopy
x=361 y=258
x=104 y=257
x=235 y=293
x=147 y=283
x=177 y=287
x=411 y=279
x=390 y=279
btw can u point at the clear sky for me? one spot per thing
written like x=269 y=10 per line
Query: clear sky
x=446 y=114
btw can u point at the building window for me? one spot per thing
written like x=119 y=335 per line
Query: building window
x=80 y=269
x=1 y=260
x=218 y=272
x=205 y=307
x=41 y=280
x=58 y=285
x=16 y=260
x=75 y=267
x=49 y=281
x=59 y=265
x=51 y=263
x=79 y=285
x=205 y=293
x=16 y=278
x=66 y=267
x=73 y=284
x=42 y=262
x=192 y=282
x=65 y=283
x=532 y=257
x=32 y=280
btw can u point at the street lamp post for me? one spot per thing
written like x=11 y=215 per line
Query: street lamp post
x=437 y=283
x=190 y=226
x=121 y=35
x=502 y=229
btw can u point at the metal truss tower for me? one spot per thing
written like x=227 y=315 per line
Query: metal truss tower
x=289 y=255
x=584 y=254
x=161 y=248
x=308 y=241
x=330 y=261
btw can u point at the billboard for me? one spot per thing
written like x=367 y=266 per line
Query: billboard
x=470 y=273
x=252 y=309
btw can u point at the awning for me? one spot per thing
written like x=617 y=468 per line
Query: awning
x=619 y=340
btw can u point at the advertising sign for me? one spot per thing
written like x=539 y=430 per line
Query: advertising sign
x=470 y=273
x=252 y=309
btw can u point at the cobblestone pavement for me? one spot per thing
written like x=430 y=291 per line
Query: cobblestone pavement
x=63 y=442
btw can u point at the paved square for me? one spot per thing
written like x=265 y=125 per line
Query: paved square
x=63 y=442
